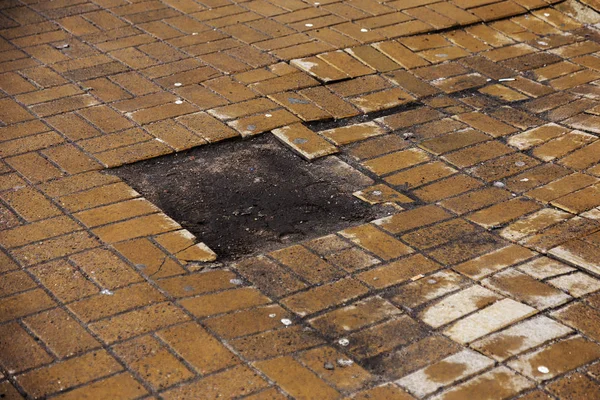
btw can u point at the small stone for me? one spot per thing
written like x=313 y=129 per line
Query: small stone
x=286 y=322
x=236 y=281
x=107 y=292
x=308 y=25
x=344 y=362
x=328 y=366
x=343 y=342
x=178 y=101
x=499 y=184
x=177 y=84
x=520 y=164
x=543 y=369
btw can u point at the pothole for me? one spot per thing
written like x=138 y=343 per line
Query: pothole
x=243 y=197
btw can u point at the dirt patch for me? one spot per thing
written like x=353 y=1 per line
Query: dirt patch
x=242 y=197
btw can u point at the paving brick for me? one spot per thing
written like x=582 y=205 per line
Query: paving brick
x=69 y=373
x=526 y=289
x=376 y=241
x=285 y=370
x=54 y=248
x=396 y=161
x=353 y=133
x=355 y=316
x=325 y=296
x=575 y=386
x=231 y=383
x=137 y=322
x=412 y=219
x=105 y=268
x=276 y=342
x=304 y=141
x=445 y=372
x=306 y=264
x=447 y=187
x=21 y=351
x=384 y=337
x=581 y=317
x=248 y=322
x=347 y=378
x=381 y=194
x=15 y=282
x=504 y=212
x=425 y=289
x=123 y=385
x=269 y=277
x=577 y=284
x=497 y=384
x=458 y=305
x=582 y=351
x=488 y=320
x=402 y=270
x=151 y=360
x=61 y=333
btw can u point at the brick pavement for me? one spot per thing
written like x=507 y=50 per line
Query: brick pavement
x=477 y=119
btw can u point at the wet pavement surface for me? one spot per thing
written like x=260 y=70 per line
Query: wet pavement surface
x=308 y=200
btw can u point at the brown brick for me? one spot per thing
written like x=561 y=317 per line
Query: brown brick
x=576 y=386
x=198 y=283
x=503 y=212
x=248 y=322
x=149 y=258
x=194 y=344
x=325 y=296
x=306 y=264
x=123 y=385
x=581 y=317
x=379 y=243
x=106 y=268
x=142 y=226
x=384 y=337
x=116 y=212
x=553 y=357
x=355 y=316
x=138 y=322
x=61 y=333
x=71 y=159
x=151 y=360
x=408 y=220
x=55 y=248
x=275 y=342
x=19 y=351
x=231 y=383
x=30 y=143
x=398 y=271
x=296 y=379
x=352 y=259
x=69 y=373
